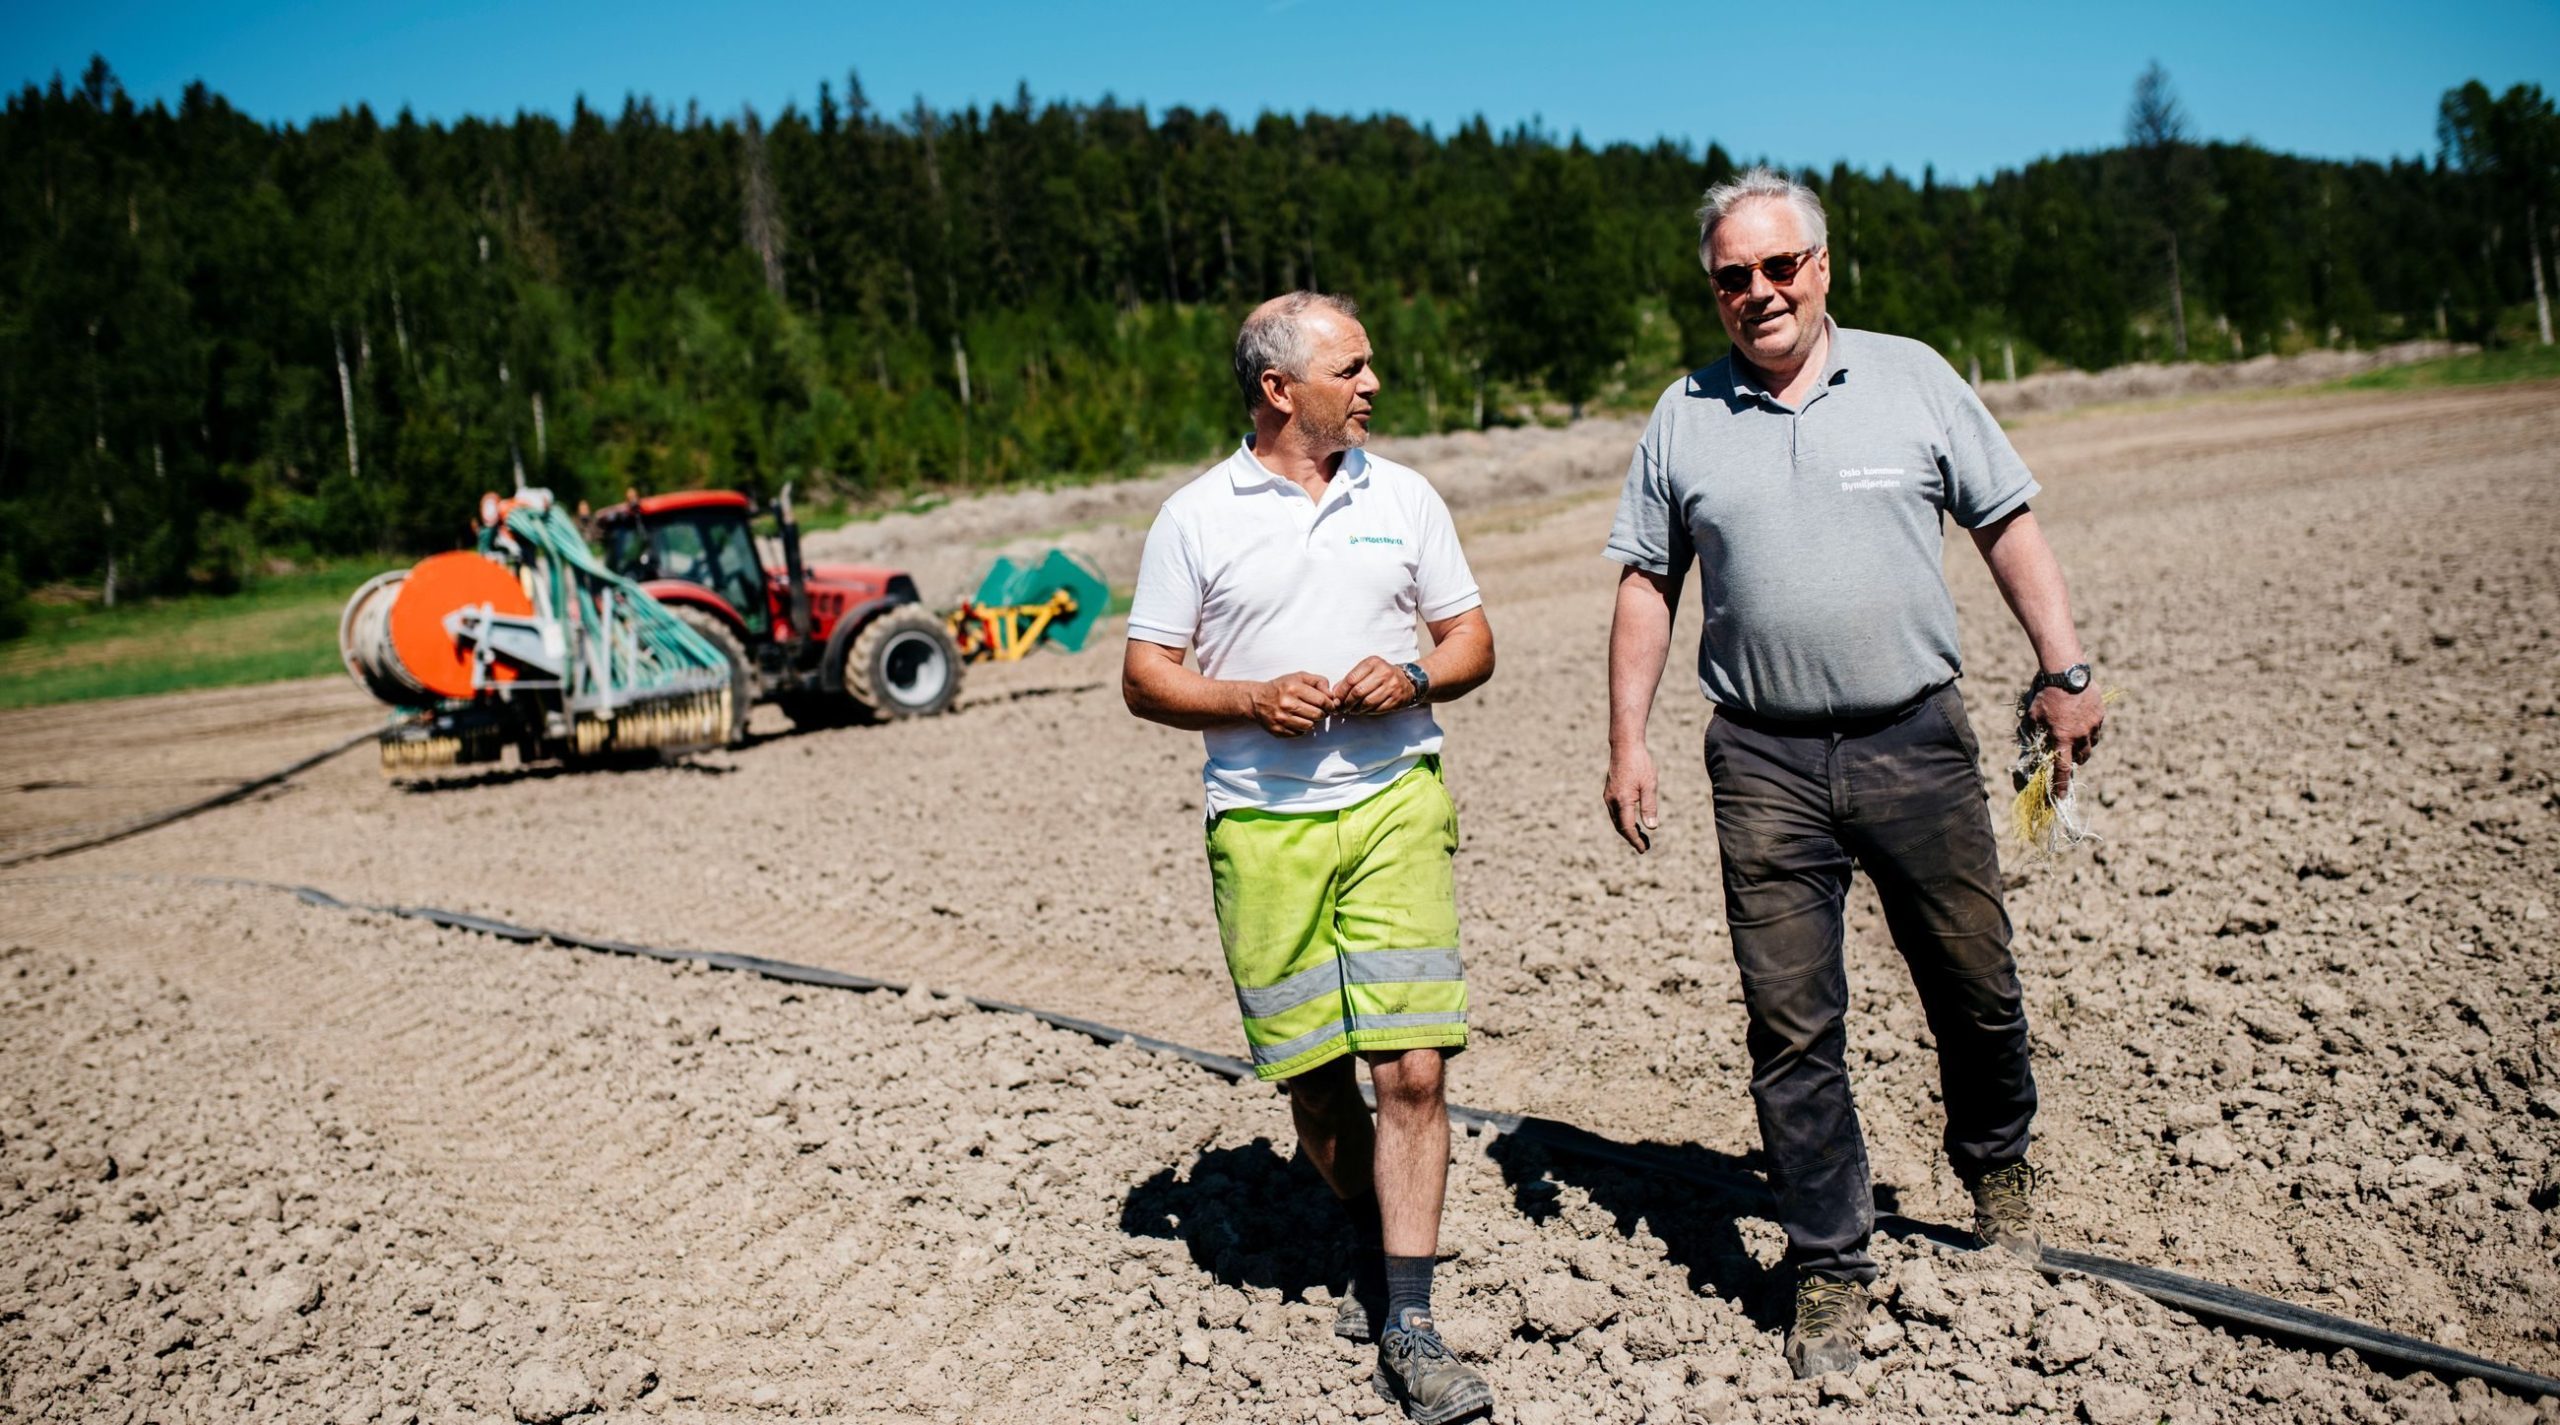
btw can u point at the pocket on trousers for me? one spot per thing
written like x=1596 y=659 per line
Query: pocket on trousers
x=1949 y=706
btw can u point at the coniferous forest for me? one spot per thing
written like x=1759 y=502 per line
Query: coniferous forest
x=222 y=339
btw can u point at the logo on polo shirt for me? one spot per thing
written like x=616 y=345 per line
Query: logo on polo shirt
x=1376 y=539
x=1871 y=477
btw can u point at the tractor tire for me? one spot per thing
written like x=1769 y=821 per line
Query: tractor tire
x=742 y=677
x=901 y=665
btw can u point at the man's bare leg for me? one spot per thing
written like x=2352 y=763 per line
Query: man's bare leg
x=1411 y=1161
x=1333 y=1126
x=1415 y=1367
x=1334 y=1130
x=1391 y=1178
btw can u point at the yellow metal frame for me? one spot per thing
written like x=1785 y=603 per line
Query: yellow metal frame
x=1004 y=633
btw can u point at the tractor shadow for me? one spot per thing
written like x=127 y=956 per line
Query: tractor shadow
x=611 y=765
x=1251 y=1217
x=619 y=764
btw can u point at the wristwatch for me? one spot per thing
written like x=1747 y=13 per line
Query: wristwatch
x=2073 y=680
x=1421 y=684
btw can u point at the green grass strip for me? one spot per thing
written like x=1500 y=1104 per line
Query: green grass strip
x=2478 y=368
x=284 y=626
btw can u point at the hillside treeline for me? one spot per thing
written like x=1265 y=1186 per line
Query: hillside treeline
x=221 y=338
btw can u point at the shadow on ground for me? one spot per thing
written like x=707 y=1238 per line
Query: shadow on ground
x=1692 y=1204
x=1250 y=1217
x=611 y=764
x=616 y=763
x=1253 y=1218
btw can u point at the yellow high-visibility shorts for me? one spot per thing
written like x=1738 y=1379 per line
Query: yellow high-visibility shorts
x=1341 y=927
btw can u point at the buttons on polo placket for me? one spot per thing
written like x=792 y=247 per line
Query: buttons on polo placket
x=1335 y=493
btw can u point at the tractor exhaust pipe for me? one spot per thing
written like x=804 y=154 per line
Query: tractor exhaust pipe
x=797 y=572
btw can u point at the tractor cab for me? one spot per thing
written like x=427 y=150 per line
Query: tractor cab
x=699 y=537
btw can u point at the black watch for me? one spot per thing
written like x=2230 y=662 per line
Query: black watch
x=2073 y=680
x=1421 y=684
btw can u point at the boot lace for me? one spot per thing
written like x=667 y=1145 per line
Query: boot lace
x=1404 y=1345
x=1824 y=1306
x=2008 y=1194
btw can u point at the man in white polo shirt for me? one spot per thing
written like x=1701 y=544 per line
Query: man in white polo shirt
x=1296 y=570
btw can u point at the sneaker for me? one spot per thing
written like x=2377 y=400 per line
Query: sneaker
x=1825 y=1338
x=2004 y=1212
x=1416 y=1371
x=1351 y=1319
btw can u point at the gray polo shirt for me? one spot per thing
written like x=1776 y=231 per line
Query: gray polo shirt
x=1816 y=530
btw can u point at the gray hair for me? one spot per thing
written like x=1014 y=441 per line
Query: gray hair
x=1275 y=339
x=1759 y=185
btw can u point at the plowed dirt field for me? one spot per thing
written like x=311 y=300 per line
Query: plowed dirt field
x=2297 y=1017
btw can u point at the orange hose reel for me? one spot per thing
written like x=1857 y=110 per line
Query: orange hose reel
x=439 y=585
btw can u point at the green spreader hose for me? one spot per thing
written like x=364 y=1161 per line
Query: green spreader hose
x=660 y=650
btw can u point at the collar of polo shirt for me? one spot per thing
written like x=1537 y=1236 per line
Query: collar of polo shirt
x=1249 y=473
x=1744 y=389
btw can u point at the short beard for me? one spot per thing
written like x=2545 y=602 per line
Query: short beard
x=1316 y=445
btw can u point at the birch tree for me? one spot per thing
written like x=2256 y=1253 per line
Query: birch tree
x=761 y=216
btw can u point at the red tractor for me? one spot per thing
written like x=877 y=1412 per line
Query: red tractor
x=830 y=643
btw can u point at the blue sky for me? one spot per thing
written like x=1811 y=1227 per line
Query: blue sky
x=1968 y=88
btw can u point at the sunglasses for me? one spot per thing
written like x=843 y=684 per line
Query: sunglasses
x=1734 y=278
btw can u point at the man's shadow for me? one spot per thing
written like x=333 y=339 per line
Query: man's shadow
x=1691 y=1203
x=1689 y=1196
x=1252 y=1218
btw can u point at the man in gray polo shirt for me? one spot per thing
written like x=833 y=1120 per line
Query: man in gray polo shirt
x=1806 y=475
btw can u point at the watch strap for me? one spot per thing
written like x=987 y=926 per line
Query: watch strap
x=1415 y=674
x=2062 y=680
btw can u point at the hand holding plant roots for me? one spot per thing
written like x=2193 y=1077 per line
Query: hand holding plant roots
x=2047 y=823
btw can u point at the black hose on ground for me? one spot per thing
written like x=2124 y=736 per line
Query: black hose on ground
x=2226 y=1306
x=225 y=797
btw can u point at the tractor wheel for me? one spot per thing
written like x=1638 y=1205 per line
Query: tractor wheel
x=902 y=665
x=742 y=678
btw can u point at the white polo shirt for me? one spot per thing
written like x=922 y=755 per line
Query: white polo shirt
x=1243 y=567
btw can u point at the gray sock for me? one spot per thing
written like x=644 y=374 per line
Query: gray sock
x=1408 y=1290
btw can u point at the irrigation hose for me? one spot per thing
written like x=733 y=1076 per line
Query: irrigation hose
x=221 y=798
x=2228 y=1306
x=2205 y=1300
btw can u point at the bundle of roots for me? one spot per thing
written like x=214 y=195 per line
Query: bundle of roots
x=2044 y=822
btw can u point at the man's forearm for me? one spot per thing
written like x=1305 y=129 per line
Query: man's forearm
x=1164 y=690
x=1639 y=645
x=1461 y=656
x=2030 y=579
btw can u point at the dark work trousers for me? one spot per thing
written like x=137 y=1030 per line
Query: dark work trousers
x=1898 y=796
